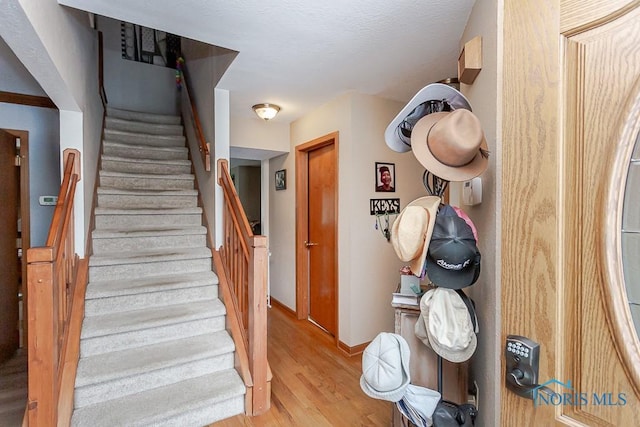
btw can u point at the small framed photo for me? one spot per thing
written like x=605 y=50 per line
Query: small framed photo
x=281 y=179
x=385 y=177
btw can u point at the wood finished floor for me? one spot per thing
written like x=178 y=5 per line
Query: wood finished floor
x=13 y=390
x=314 y=384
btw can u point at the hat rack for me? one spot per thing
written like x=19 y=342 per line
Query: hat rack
x=435 y=185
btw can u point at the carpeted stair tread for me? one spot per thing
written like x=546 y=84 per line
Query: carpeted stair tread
x=139 y=136
x=111 y=288
x=185 y=176
x=136 y=126
x=134 y=361
x=143 y=116
x=149 y=255
x=152 y=161
x=128 y=192
x=114 y=323
x=147 y=148
x=170 y=405
x=149 y=211
x=147 y=231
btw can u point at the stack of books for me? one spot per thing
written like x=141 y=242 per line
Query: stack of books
x=406 y=298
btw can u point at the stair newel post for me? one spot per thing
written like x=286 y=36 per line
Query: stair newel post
x=258 y=324
x=42 y=337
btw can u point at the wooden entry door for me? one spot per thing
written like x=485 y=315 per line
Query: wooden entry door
x=9 y=266
x=571 y=98
x=316 y=232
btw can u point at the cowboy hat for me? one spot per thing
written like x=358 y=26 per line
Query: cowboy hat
x=398 y=133
x=453 y=259
x=411 y=232
x=385 y=367
x=451 y=145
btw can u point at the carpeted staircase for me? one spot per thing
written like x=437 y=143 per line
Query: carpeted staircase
x=154 y=349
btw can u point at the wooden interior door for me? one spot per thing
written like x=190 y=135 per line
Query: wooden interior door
x=571 y=85
x=322 y=237
x=9 y=265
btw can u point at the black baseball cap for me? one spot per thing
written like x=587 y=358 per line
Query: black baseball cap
x=453 y=259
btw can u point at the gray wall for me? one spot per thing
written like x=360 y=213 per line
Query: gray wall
x=134 y=85
x=44 y=136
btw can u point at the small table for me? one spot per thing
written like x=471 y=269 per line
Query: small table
x=423 y=363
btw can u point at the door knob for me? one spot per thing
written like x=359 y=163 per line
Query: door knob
x=309 y=244
x=523 y=357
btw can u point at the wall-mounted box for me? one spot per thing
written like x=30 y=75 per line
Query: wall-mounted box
x=470 y=61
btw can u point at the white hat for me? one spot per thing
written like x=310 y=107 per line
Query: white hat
x=418 y=405
x=450 y=329
x=398 y=133
x=412 y=229
x=385 y=367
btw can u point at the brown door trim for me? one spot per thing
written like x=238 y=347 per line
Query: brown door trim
x=302 y=224
x=23 y=135
x=22 y=99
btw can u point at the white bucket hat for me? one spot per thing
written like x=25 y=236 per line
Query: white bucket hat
x=412 y=229
x=450 y=329
x=385 y=367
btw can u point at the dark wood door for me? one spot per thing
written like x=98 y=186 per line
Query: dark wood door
x=322 y=237
x=9 y=190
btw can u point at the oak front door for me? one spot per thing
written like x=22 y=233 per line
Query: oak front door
x=570 y=97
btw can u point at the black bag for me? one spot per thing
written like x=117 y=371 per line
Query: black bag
x=449 y=414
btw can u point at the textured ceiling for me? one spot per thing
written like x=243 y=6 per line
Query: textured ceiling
x=302 y=54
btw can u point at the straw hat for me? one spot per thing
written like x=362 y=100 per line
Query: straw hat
x=411 y=231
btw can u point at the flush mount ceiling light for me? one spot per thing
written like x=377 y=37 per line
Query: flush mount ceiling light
x=266 y=111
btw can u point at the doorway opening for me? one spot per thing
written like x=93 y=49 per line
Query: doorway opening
x=247 y=178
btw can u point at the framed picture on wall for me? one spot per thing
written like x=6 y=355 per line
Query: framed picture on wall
x=281 y=179
x=385 y=177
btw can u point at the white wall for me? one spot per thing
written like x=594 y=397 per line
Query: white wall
x=484 y=95
x=258 y=134
x=59 y=49
x=368 y=267
x=135 y=85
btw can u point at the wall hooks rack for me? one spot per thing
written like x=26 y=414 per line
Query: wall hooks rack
x=385 y=211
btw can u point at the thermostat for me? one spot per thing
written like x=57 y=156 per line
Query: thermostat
x=48 y=200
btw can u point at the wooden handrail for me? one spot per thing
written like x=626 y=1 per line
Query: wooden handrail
x=241 y=264
x=52 y=271
x=103 y=93
x=203 y=146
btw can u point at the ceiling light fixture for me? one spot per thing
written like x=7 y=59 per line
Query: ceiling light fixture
x=266 y=111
